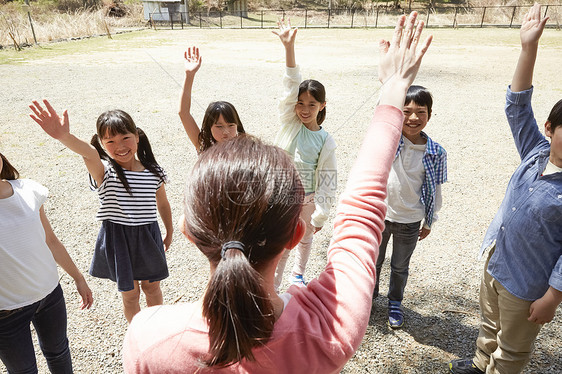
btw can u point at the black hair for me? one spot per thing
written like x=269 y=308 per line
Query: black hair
x=8 y=171
x=421 y=96
x=115 y=122
x=212 y=114
x=317 y=90
x=555 y=116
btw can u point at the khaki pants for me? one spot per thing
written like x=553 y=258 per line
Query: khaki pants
x=506 y=338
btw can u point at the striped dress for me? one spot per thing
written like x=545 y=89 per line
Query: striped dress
x=129 y=245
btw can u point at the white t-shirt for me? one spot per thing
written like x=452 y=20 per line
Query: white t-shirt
x=551 y=169
x=27 y=267
x=404 y=185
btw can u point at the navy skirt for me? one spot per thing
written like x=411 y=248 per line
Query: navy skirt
x=128 y=253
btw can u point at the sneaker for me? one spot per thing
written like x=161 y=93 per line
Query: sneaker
x=395 y=314
x=298 y=280
x=464 y=366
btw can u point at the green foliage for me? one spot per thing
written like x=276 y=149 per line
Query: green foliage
x=71 y=6
x=196 y=5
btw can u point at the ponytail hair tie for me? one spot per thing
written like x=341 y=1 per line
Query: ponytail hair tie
x=232 y=245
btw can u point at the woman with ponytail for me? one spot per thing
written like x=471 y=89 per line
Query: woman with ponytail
x=242 y=210
x=130 y=186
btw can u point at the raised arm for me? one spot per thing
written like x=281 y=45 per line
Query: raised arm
x=62 y=258
x=287 y=36
x=59 y=129
x=531 y=31
x=350 y=274
x=192 y=64
x=400 y=61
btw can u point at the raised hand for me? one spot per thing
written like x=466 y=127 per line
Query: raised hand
x=285 y=33
x=49 y=120
x=193 y=60
x=532 y=26
x=531 y=30
x=59 y=128
x=399 y=58
x=400 y=61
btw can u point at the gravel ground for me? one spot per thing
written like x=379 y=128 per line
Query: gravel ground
x=467 y=71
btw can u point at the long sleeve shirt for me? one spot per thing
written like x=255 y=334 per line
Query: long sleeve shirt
x=323 y=324
x=326 y=170
x=527 y=228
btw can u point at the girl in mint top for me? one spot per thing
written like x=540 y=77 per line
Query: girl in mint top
x=302 y=111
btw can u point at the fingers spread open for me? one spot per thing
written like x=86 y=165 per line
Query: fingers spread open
x=50 y=109
x=425 y=45
x=398 y=31
x=384 y=45
x=36 y=108
x=407 y=35
x=417 y=35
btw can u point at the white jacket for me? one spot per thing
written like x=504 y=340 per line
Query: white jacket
x=326 y=171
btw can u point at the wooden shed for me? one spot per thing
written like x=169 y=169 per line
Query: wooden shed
x=164 y=10
x=238 y=7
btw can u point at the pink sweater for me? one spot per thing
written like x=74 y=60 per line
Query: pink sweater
x=323 y=324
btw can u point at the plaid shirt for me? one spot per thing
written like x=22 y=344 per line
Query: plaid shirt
x=435 y=165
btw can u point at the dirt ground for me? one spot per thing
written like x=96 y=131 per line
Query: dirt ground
x=466 y=70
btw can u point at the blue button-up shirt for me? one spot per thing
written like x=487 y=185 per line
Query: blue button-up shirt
x=527 y=228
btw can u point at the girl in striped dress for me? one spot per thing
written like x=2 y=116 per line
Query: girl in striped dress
x=130 y=185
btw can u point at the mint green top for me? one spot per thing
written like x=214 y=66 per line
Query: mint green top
x=305 y=150
x=324 y=162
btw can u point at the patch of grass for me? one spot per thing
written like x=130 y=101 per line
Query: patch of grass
x=53 y=20
x=134 y=39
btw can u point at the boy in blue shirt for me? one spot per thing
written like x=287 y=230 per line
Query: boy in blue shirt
x=522 y=283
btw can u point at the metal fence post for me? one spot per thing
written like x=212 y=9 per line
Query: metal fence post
x=512 y=15
x=200 y=22
x=329 y=16
x=428 y=11
x=305 y=17
x=377 y=18
x=241 y=20
x=283 y=10
x=171 y=15
x=545 y=10
x=483 y=15
x=30 y=22
x=352 y=14
x=455 y=19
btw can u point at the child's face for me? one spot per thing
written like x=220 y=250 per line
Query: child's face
x=415 y=119
x=121 y=147
x=223 y=130
x=555 y=144
x=307 y=109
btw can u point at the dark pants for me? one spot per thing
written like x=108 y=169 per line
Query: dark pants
x=49 y=319
x=404 y=238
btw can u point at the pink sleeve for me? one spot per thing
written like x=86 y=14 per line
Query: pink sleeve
x=340 y=299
